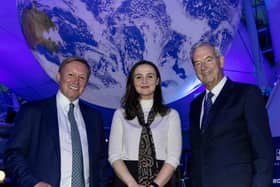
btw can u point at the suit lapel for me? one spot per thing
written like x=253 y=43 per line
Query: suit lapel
x=197 y=106
x=51 y=119
x=54 y=126
x=89 y=124
x=198 y=109
x=219 y=102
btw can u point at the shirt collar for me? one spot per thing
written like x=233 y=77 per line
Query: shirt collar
x=64 y=102
x=217 y=89
x=146 y=104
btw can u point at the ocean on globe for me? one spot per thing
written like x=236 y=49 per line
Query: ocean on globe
x=113 y=35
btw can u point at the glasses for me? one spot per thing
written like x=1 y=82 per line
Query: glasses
x=150 y=77
x=207 y=60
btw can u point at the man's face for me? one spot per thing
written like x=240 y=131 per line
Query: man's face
x=208 y=66
x=73 y=79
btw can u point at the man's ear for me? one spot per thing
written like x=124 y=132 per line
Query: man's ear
x=57 y=77
x=222 y=61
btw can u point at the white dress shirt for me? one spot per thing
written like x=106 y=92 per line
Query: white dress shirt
x=65 y=140
x=125 y=136
x=216 y=91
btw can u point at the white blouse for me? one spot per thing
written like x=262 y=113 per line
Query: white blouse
x=125 y=136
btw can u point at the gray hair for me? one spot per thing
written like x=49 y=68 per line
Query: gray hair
x=204 y=43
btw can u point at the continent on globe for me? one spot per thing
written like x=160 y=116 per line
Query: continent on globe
x=113 y=35
x=35 y=23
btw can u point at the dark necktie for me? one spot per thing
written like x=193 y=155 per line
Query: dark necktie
x=147 y=163
x=207 y=105
x=77 y=154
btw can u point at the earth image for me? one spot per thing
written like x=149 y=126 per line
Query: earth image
x=113 y=35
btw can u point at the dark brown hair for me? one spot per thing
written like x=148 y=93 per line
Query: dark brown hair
x=131 y=97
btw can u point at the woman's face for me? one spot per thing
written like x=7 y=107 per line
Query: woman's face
x=145 y=81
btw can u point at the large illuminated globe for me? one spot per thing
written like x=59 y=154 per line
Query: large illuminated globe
x=113 y=35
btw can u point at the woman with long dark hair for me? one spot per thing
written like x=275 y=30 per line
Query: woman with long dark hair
x=145 y=139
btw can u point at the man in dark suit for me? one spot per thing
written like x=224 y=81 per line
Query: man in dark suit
x=43 y=151
x=231 y=144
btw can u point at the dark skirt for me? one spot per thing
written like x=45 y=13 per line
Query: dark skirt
x=132 y=167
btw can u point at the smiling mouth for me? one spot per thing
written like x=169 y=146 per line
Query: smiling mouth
x=74 y=87
x=144 y=87
x=205 y=74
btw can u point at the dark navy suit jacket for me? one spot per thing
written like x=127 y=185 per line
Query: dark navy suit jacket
x=33 y=151
x=235 y=150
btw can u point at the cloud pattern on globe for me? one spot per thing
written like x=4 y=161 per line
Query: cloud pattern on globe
x=113 y=35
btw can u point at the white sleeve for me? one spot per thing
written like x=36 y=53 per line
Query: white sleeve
x=174 y=145
x=116 y=137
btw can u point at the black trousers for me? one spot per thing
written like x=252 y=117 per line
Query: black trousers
x=132 y=167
